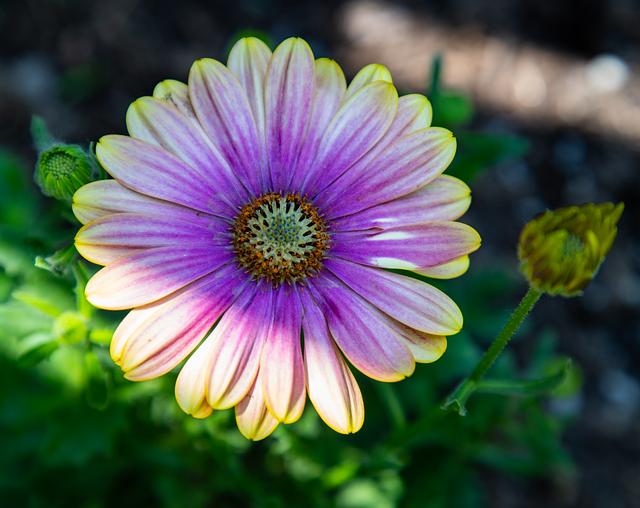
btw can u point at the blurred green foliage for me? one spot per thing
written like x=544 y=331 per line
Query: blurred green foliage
x=76 y=433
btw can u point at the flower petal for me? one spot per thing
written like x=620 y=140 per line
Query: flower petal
x=361 y=331
x=112 y=237
x=425 y=347
x=448 y=270
x=106 y=197
x=254 y=420
x=404 y=167
x=139 y=315
x=190 y=385
x=147 y=276
x=289 y=92
x=414 y=113
x=166 y=337
x=157 y=122
x=225 y=115
x=281 y=365
x=150 y=170
x=354 y=130
x=330 y=89
x=408 y=247
x=368 y=74
x=235 y=359
x=176 y=93
x=332 y=388
x=414 y=303
x=444 y=199
x=248 y=62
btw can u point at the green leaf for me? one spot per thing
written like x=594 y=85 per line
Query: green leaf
x=59 y=262
x=82 y=277
x=33 y=357
x=49 y=296
x=40 y=133
x=477 y=151
x=451 y=108
x=18 y=319
x=532 y=388
x=101 y=336
x=98 y=385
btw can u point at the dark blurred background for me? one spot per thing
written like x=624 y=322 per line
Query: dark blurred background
x=563 y=74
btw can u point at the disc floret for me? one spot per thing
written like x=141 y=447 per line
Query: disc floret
x=280 y=238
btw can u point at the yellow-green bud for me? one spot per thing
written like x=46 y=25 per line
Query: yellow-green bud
x=62 y=170
x=70 y=327
x=560 y=251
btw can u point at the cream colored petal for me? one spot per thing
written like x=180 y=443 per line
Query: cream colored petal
x=254 y=419
x=448 y=270
x=366 y=75
x=190 y=385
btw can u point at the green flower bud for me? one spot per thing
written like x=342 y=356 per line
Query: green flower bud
x=62 y=170
x=70 y=327
x=560 y=251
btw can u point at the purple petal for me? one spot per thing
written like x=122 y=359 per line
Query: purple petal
x=150 y=170
x=106 y=197
x=361 y=331
x=289 y=92
x=354 y=130
x=414 y=113
x=112 y=237
x=235 y=359
x=225 y=114
x=155 y=121
x=248 y=62
x=444 y=199
x=404 y=167
x=167 y=337
x=407 y=300
x=407 y=247
x=332 y=388
x=281 y=365
x=149 y=275
x=330 y=89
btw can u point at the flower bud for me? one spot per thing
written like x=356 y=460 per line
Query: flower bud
x=560 y=251
x=62 y=170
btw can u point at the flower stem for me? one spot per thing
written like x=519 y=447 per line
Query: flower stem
x=391 y=400
x=459 y=397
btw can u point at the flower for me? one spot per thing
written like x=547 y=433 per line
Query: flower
x=267 y=197
x=560 y=251
x=62 y=170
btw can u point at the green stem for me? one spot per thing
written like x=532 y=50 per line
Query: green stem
x=507 y=332
x=405 y=434
x=390 y=398
x=459 y=397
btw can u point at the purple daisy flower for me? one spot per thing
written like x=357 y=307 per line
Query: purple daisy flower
x=267 y=196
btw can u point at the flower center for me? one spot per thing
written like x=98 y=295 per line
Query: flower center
x=280 y=238
x=58 y=163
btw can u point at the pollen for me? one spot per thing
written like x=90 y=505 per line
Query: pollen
x=280 y=238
